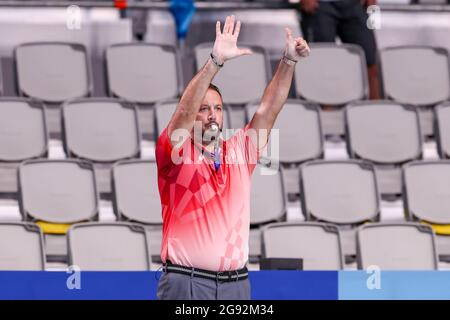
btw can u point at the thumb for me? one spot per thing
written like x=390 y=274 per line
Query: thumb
x=245 y=51
x=288 y=34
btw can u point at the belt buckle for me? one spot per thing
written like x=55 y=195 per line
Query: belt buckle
x=222 y=274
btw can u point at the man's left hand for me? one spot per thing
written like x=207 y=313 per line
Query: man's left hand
x=296 y=48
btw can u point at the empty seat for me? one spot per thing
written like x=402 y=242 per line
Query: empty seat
x=165 y=109
x=342 y=192
x=332 y=74
x=386 y=133
x=299 y=131
x=142 y=72
x=57 y=191
x=268 y=201
x=443 y=129
x=400 y=246
x=135 y=191
x=108 y=247
x=427 y=83
x=23 y=133
x=53 y=72
x=240 y=80
x=427 y=191
x=101 y=129
x=21 y=247
x=317 y=244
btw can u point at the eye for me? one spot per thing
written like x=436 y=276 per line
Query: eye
x=219 y=108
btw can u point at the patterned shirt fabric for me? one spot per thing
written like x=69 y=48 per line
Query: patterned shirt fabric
x=206 y=212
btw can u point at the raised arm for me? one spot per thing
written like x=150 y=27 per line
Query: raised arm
x=276 y=92
x=225 y=48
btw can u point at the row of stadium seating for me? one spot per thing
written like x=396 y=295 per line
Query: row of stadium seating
x=122 y=246
x=344 y=193
x=333 y=75
x=105 y=130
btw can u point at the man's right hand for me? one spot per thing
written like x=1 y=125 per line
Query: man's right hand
x=309 y=6
x=225 y=46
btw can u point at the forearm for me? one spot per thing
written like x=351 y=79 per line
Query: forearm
x=276 y=93
x=192 y=97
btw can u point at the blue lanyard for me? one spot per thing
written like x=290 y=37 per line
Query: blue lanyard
x=216 y=156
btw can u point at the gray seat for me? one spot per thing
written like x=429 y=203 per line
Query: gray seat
x=427 y=191
x=443 y=129
x=341 y=192
x=299 y=131
x=427 y=83
x=399 y=246
x=267 y=199
x=136 y=195
x=267 y=204
x=57 y=191
x=23 y=129
x=142 y=72
x=165 y=109
x=109 y=247
x=318 y=244
x=21 y=247
x=240 y=80
x=101 y=129
x=62 y=73
x=332 y=74
x=387 y=134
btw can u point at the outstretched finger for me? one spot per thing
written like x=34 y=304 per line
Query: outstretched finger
x=226 y=26
x=288 y=34
x=218 y=28
x=232 y=21
x=237 y=30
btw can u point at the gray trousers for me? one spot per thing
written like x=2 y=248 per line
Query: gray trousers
x=176 y=286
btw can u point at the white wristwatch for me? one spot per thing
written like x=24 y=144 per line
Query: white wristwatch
x=289 y=61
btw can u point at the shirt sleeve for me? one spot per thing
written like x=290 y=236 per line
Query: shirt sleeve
x=168 y=157
x=243 y=140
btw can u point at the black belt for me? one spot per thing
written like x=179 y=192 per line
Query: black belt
x=223 y=276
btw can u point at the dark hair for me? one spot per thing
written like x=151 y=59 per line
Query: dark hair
x=216 y=89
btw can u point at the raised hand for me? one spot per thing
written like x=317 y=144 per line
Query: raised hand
x=296 y=48
x=225 y=46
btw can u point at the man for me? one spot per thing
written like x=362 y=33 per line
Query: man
x=323 y=20
x=204 y=181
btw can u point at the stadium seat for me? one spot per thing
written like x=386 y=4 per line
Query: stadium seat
x=142 y=72
x=46 y=195
x=63 y=71
x=335 y=81
x=136 y=198
x=299 y=138
x=21 y=247
x=116 y=246
x=397 y=246
x=267 y=203
x=23 y=130
x=300 y=131
x=341 y=192
x=161 y=28
x=425 y=85
x=101 y=129
x=317 y=244
x=387 y=134
x=428 y=83
x=332 y=81
x=239 y=87
x=442 y=134
x=427 y=190
x=165 y=109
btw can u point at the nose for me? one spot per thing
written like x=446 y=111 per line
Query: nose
x=212 y=114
